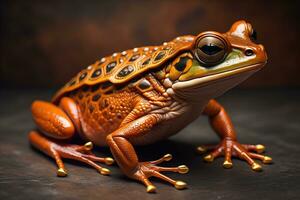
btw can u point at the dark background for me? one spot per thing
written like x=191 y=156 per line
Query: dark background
x=45 y=43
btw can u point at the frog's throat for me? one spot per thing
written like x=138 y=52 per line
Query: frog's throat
x=213 y=85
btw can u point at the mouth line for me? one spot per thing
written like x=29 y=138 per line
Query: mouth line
x=219 y=76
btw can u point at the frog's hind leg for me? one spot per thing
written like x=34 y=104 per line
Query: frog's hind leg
x=55 y=122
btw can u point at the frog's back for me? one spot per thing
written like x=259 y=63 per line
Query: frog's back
x=122 y=67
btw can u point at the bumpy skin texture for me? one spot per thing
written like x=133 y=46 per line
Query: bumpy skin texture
x=147 y=95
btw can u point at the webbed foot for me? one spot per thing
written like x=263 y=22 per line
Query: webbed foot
x=231 y=148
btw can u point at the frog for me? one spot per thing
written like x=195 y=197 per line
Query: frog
x=147 y=94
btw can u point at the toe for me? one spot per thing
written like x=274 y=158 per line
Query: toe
x=267 y=160
x=216 y=153
x=208 y=158
x=256 y=167
x=151 y=189
x=183 y=169
x=264 y=159
x=104 y=171
x=180 y=185
x=88 y=146
x=109 y=161
x=260 y=148
x=61 y=172
x=165 y=158
x=227 y=164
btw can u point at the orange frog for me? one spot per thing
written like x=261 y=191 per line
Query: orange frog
x=146 y=94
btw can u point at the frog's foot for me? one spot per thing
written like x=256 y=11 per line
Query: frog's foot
x=150 y=169
x=81 y=153
x=229 y=148
x=70 y=151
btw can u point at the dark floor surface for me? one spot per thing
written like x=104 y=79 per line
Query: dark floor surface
x=270 y=117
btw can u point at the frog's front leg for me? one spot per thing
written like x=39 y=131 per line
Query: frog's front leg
x=125 y=155
x=229 y=146
x=58 y=124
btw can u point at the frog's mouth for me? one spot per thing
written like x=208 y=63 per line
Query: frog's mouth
x=201 y=81
x=215 y=84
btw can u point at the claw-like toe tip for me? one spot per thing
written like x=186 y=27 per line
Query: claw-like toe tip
x=260 y=148
x=180 y=185
x=109 y=161
x=208 y=158
x=183 y=169
x=104 y=171
x=201 y=150
x=267 y=160
x=256 y=167
x=227 y=164
x=61 y=172
x=151 y=189
x=88 y=146
x=167 y=157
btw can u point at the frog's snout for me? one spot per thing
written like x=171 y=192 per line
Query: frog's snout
x=264 y=52
x=261 y=54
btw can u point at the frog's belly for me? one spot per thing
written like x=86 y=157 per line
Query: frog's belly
x=159 y=132
x=168 y=128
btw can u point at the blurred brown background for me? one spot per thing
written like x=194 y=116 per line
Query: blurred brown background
x=44 y=43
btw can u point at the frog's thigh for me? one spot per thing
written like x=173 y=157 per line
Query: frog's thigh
x=53 y=121
x=120 y=145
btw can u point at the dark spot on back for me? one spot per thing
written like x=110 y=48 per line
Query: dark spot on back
x=146 y=62
x=96 y=97
x=82 y=76
x=160 y=55
x=144 y=84
x=126 y=71
x=109 y=92
x=134 y=57
x=95 y=87
x=106 y=85
x=97 y=73
x=110 y=66
x=180 y=66
x=85 y=88
x=135 y=79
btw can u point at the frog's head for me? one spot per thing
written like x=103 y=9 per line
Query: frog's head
x=217 y=62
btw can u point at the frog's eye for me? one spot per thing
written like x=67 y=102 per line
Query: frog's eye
x=211 y=50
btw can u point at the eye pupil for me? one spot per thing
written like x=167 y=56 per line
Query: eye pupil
x=210 y=49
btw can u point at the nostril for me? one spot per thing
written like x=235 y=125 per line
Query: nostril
x=249 y=52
